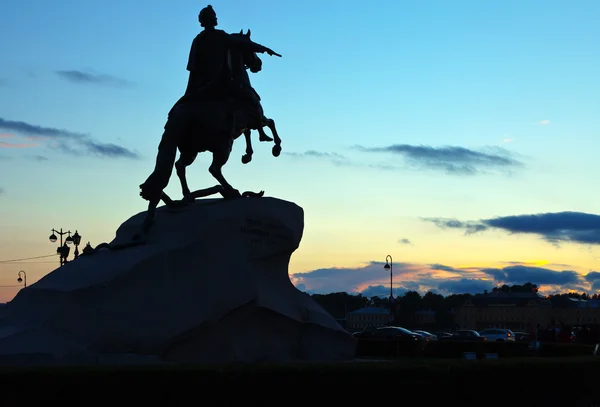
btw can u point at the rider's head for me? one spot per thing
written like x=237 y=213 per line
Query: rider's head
x=207 y=17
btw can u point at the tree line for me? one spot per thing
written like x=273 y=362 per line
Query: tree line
x=341 y=303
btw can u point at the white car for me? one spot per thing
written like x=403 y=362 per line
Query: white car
x=498 y=334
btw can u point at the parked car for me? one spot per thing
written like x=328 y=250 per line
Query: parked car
x=498 y=334
x=389 y=332
x=442 y=334
x=389 y=341
x=428 y=336
x=464 y=335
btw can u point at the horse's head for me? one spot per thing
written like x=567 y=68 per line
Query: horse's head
x=251 y=60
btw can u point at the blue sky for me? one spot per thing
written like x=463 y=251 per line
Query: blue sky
x=393 y=114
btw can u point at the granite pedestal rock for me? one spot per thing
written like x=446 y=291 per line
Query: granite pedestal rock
x=211 y=285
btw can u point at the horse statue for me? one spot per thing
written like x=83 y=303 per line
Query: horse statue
x=196 y=126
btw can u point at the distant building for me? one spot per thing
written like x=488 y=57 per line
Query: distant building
x=524 y=311
x=423 y=318
x=367 y=317
x=516 y=311
x=577 y=312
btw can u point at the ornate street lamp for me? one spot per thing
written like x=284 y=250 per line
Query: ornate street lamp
x=389 y=266
x=22 y=280
x=76 y=241
x=64 y=249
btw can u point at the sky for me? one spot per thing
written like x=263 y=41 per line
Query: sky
x=460 y=138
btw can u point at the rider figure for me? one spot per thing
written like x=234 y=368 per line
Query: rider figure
x=209 y=71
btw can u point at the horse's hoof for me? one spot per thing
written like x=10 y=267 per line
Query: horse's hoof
x=150 y=194
x=246 y=159
x=189 y=198
x=231 y=193
x=265 y=138
x=276 y=150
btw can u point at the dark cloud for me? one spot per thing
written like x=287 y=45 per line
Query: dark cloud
x=450 y=159
x=536 y=275
x=465 y=286
x=302 y=287
x=533 y=264
x=405 y=241
x=91 y=78
x=441 y=267
x=555 y=227
x=341 y=160
x=453 y=160
x=328 y=280
x=39 y=131
x=593 y=277
x=384 y=292
x=70 y=142
x=468 y=226
x=336 y=158
x=575 y=227
x=314 y=153
x=373 y=280
x=88 y=146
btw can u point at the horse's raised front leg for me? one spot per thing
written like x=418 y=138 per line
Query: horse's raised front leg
x=220 y=158
x=262 y=136
x=185 y=160
x=277 y=147
x=246 y=158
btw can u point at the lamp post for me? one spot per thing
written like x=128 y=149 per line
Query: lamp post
x=64 y=249
x=389 y=266
x=22 y=280
x=76 y=241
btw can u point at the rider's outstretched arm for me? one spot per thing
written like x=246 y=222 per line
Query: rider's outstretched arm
x=249 y=45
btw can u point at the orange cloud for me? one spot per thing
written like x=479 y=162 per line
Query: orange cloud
x=4 y=144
